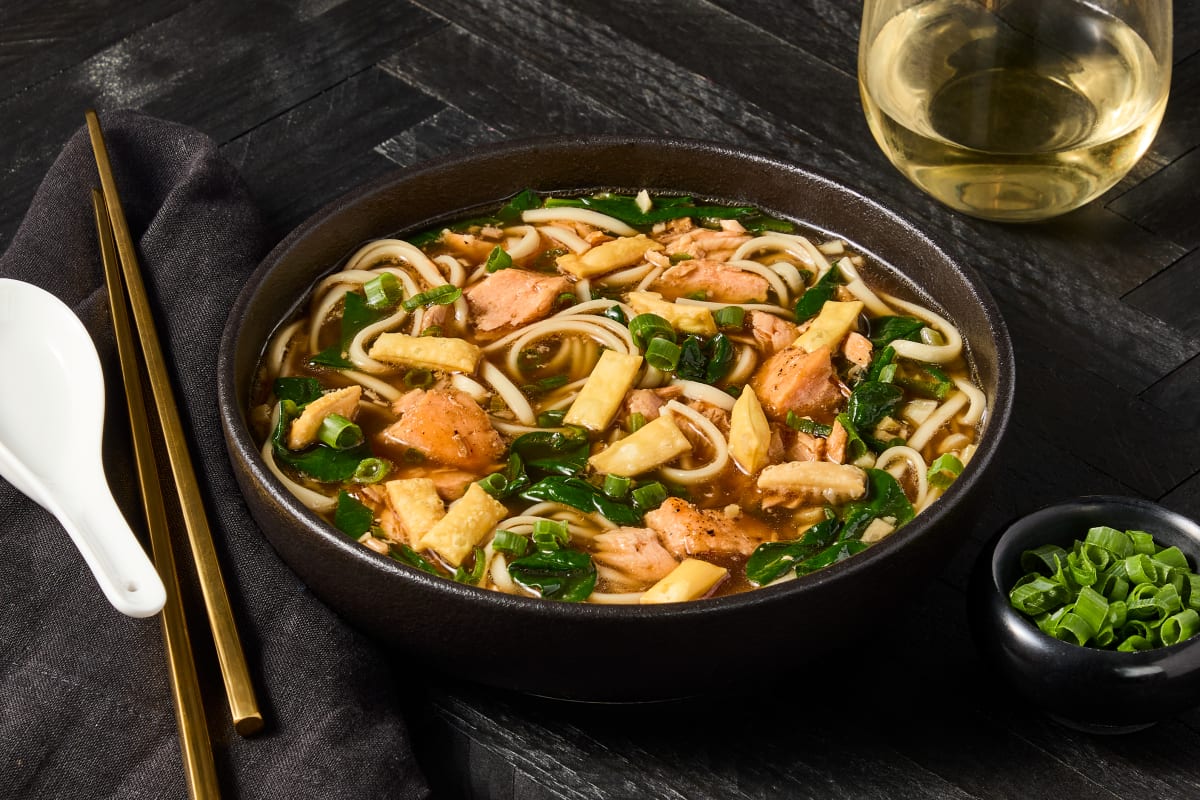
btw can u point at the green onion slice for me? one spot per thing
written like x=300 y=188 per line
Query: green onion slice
x=339 y=432
x=944 y=469
x=616 y=486
x=371 y=470
x=551 y=534
x=498 y=259
x=383 y=291
x=646 y=327
x=663 y=354
x=509 y=543
x=729 y=317
x=649 y=496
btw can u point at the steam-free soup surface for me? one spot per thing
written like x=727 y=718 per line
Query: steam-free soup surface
x=616 y=399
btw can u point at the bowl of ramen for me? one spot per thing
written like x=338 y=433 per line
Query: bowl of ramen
x=547 y=409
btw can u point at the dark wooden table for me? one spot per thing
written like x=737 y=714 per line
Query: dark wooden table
x=312 y=97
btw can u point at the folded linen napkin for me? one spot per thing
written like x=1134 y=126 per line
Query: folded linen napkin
x=85 y=706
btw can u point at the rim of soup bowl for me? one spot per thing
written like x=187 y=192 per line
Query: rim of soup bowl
x=232 y=397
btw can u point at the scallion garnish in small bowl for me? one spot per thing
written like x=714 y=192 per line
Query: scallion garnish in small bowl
x=1088 y=610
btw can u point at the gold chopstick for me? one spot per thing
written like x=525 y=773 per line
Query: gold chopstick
x=194 y=745
x=247 y=719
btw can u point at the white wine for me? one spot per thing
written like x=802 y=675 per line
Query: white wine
x=1014 y=115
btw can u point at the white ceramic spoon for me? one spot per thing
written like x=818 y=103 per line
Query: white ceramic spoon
x=51 y=424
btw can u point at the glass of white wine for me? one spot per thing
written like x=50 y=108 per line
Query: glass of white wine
x=1015 y=110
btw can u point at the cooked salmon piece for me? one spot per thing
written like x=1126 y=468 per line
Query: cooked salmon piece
x=447 y=427
x=436 y=316
x=704 y=243
x=793 y=380
x=649 y=402
x=512 y=297
x=857 y=348
x=801 y=446
x=714 y=414
x=451 y=484
x=631 y=559
x=719 y=282
x=772 y=333
x=835 y=445
x=689 y=531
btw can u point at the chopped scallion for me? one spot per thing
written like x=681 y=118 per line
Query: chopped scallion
x=646 y=327
x=650 y=495
x=339 y=432
x=509 y=543
x=663 y=354
x=616 y=486
x=382 y=291
x=498 y=259
x=729 y=317
x=371 y=470
x=944 y=469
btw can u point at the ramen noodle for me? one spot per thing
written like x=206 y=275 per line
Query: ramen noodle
x=615 y=399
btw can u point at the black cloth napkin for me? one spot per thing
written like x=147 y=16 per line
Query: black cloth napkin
x=85 y=706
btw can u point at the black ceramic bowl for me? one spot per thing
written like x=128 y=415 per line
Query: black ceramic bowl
x=588 y=651
x=1102 y=691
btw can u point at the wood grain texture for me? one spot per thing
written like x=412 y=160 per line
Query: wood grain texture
x=312 y=98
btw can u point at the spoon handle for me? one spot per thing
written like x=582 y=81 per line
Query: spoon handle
x=103 y=537
x=109 y=547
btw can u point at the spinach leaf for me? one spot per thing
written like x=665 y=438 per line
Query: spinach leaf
x=888 y=329
x=356 y=315
x=319 y=462
x=507 y=481
x=772 y=559
x=925 y=380
x=692 y=361
x=870 y=402
x=567 y=575
x=879 y=368
x=884 y=498
x=580 y=494
x=352 y=517
x=406 y=555
x=831 y=555
x=720 y=358
x=556 y=452
x=300 y=391
x=524 y=200
x=810 y=303
x=704 y=361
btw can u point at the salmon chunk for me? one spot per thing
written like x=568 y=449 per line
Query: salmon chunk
x=630 y=559
x=772 y=333
x=648 y=402
x=512 y=297
x=857 y=348
x=792 y=380
x=688 y=531
x=704 y=243
x=447 y=427
x=719 y=282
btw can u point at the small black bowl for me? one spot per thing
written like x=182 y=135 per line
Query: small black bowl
x=1099 y=691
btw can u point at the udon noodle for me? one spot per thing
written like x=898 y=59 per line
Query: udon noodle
x=615 y=399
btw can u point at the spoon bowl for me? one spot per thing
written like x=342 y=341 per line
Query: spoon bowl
x=51 y=426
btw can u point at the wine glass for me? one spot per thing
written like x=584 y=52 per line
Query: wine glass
x=1015 y=110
